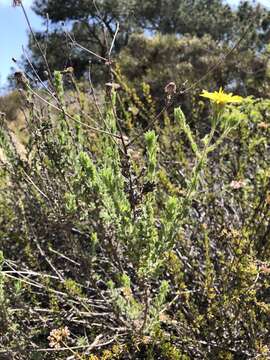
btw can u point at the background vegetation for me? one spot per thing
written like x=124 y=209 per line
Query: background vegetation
x=134 y=214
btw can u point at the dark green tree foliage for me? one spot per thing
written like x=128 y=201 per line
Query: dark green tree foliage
x=197 y=17
x=258 y=22
x=87 y=21
x=158 y=60
x=165 y=57
x=59 y=54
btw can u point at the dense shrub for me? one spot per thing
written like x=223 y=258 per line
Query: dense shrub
x=186 y=60
x=133 y=244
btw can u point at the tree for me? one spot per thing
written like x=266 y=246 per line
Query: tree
x=88 y=20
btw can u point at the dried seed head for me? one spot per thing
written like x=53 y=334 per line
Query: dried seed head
x=68 y=70
x=263 y=125
x=237 y=184
x=170 y=88
x=265 y=269
x=57 y=336
x=16 y=3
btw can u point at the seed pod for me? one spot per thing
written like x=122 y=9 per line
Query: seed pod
x=170 y=89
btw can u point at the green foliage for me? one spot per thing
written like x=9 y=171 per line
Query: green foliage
x=151 y=148
x=143 y=243
x=181 y=119
x=160 y=59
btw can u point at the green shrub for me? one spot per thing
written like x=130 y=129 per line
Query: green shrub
x=146 y=245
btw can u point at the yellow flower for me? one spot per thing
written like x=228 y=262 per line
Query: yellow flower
x=221 y=98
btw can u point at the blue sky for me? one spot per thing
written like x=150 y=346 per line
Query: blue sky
x=13 y=32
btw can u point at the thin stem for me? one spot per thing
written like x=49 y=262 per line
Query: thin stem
x=37 y=43
x=70 y=116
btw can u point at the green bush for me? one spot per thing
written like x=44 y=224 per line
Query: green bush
x=186 y=60
x=136 y=245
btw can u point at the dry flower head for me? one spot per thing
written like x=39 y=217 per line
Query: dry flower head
x=263 y=125
x=57 y=336
x=16 y=3
x=170 y=89
x=237 y=184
